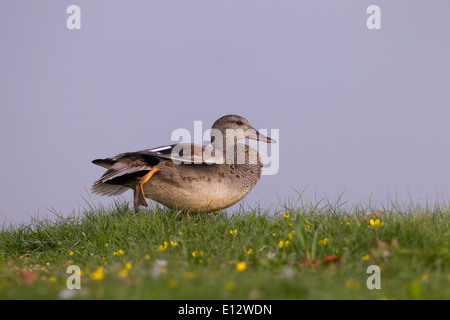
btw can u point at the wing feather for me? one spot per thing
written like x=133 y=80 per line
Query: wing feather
x=106 y=189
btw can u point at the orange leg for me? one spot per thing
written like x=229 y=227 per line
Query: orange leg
x=139 y=196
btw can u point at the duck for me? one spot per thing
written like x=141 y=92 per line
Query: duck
x=189 y=177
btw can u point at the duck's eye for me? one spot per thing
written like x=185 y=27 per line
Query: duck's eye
x=239 y=122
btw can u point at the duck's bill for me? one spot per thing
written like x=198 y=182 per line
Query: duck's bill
x=256 y=135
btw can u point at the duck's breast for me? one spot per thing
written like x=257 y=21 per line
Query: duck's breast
x=201 y=187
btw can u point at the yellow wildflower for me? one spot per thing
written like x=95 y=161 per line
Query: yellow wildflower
x=147 y=257
x=123 y=273
x=196 y=254
x=366 y=257
x=98 y=274
x=125 y=270
x=173 y=244
x=376 y=223
x=346 y=221
x=233 y=232
x=323 y=242
x=281 y=244
x=118 y=253
x=249 y=251
x=241 y=266
x=286 y=216
x=71 y=253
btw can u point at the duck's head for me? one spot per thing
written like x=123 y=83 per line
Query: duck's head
x=238 y=128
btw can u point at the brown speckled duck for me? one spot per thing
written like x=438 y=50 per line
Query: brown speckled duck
x=188 y=177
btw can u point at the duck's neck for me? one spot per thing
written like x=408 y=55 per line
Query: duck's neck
x=235 y=152
x=220 y=142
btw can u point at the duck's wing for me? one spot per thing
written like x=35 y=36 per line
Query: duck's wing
x=187 y=153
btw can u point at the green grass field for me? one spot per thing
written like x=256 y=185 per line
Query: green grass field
x=309 y=252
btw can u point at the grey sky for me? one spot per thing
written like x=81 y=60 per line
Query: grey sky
x=364 y=112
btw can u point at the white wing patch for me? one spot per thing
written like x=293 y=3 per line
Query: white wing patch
x=160 y=149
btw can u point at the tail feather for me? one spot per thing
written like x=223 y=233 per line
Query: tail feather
x=105 y=163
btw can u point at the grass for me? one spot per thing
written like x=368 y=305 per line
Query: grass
x=306 y=252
